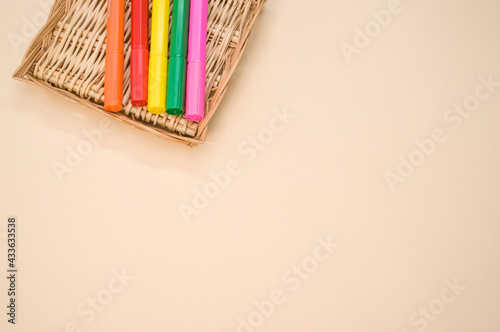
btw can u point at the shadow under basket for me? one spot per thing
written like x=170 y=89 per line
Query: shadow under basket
x=67 y=58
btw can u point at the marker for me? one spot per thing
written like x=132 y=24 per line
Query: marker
x=176 y=91
x=113 y=71
x=158 y=61
x=139 y=57
x=196 y=69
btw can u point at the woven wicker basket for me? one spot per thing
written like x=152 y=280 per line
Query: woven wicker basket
x=67 y=58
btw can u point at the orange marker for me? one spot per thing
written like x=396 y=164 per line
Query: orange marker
x=113 y=74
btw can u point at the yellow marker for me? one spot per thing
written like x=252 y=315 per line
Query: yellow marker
x=158 y=61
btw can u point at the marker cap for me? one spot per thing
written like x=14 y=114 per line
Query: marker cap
x=176 y=96
x=157 y=92
x=139 y=77
x=195 y=91
x=113 y=87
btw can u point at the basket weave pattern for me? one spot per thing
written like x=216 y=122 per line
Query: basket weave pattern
x=67 y=57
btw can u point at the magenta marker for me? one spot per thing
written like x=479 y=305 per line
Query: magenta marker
x=196 y=68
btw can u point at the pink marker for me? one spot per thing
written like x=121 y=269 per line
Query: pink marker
x=196 y=68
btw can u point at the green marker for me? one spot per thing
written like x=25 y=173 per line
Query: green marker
x=176 y=88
